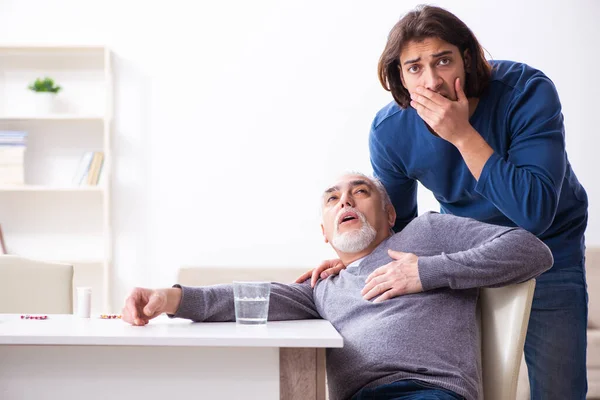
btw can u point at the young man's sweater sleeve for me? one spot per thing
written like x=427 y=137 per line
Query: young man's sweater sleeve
x=526 y=184
x=476 y=254
x=401 y=189
x=215 y=303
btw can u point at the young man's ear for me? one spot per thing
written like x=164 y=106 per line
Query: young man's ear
x=401 y=76
x=324 y=236
x=467 y=60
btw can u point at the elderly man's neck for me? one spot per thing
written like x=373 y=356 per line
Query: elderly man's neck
x=349 y=258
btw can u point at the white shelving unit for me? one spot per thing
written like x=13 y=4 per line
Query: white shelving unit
x=50 y=218
x=50 y=118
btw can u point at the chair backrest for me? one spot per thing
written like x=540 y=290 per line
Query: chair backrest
x=35 y=287
x=592 y=269
x=504 y=320
x=204 y=276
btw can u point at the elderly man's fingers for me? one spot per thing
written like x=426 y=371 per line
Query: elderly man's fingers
x=396 y=255
x=135 y=304
x=126 y=316
x=387 y=295
x=378 y=272
x=372 y=283
x=377 y=290
x=132 y=305
x=156 y=304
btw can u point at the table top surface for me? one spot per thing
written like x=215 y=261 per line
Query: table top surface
x=164 y=331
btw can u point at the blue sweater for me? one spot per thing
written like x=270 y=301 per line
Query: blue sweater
x=527 y=182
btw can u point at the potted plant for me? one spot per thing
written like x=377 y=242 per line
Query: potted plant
x=45 y=94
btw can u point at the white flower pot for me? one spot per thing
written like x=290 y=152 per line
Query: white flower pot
x=44 y=102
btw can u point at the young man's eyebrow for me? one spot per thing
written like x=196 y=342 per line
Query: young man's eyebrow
x=441 y=53
x=436 y=55
x=414 y=60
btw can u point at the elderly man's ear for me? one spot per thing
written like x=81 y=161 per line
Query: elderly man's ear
x=391 y=212
x=323 y=231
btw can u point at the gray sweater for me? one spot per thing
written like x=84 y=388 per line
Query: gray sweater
x=431 y=336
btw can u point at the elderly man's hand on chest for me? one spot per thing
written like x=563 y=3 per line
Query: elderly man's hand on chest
x=396 y=278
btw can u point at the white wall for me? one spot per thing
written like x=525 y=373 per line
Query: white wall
x=231 y=116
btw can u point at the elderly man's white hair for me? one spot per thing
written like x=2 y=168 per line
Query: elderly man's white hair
x=385 y=198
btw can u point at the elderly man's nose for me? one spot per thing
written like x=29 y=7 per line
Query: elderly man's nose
x=347 y=201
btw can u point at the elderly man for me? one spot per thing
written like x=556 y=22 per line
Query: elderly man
x=420 y=345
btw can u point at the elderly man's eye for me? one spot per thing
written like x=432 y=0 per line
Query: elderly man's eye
x=331 y=198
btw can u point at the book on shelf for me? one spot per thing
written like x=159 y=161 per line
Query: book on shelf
x=89 y=169
x=95 y=168
x=13 y=138
x=83 y=168
x=12 y=157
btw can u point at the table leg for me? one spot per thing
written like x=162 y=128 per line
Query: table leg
x=302 y=374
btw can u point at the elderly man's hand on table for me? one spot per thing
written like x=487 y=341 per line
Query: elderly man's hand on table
x=144 y=304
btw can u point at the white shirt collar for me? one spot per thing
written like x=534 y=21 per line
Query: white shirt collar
x=355 y=263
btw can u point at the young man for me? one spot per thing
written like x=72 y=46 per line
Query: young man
x=488 y=139
x=424 y=343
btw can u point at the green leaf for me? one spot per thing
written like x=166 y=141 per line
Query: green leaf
x=44 y=85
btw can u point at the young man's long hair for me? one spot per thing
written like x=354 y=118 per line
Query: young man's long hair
x=425 y=22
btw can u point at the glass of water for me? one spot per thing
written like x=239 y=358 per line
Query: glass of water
x=251 y=302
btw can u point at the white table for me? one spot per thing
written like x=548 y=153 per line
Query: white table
x=65 y=357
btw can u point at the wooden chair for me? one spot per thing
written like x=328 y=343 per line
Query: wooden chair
x=35 y=287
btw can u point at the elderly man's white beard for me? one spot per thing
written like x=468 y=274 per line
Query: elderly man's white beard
x=355 y=240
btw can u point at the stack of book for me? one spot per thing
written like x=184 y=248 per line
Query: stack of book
x=90 y=168
x=12 y=157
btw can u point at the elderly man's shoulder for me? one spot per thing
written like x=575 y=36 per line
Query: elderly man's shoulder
x=437 y=221
x=430 y=217
x=432 y=221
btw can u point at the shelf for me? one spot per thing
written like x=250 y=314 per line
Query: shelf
x=63 y=260
x=28 y=48
x=51 y=217
x=80 y=262
x=40 y=188
x=56 y=117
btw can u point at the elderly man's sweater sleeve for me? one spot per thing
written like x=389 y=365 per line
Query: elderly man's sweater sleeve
x=215 y=303
x=475 y=254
